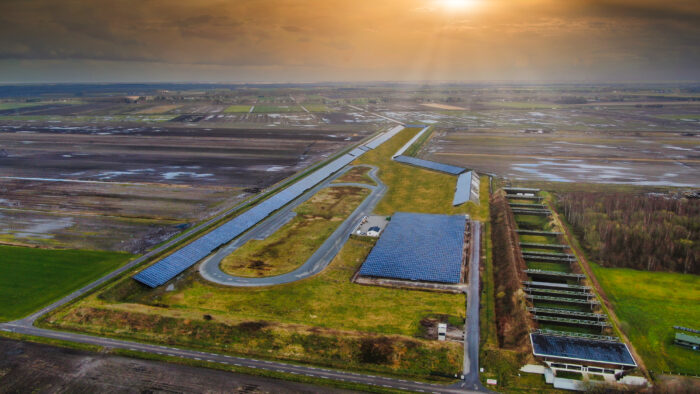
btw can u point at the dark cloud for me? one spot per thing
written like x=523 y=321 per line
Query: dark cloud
x=362 y=39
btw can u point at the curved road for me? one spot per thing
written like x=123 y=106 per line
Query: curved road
x=318 y=262
x=210 y=269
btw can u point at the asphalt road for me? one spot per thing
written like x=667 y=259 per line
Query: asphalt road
x=210 y=269
x=470 y=383
x=471 y=337
x=321 y=373
x=315 y=264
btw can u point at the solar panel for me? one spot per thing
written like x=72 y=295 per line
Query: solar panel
x=464 y=188
x=431 y=165
x=384 y=137
x=356 y=152
x=185 y=257
x=581 y=349
x=467 y=188
x=410 y=142
x=419 y=247
x=476 y=184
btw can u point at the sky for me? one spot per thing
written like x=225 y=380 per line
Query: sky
x=341 y=40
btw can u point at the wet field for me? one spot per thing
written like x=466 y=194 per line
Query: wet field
x=647 y=159
x=129 y=186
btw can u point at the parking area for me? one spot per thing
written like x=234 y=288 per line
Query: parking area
x=372 y=225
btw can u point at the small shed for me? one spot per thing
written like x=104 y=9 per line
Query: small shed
x=374 y=231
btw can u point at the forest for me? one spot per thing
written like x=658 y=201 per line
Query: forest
x=646 y=232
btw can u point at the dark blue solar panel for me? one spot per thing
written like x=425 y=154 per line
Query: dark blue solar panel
x=581 y=349
x=384 y=137
x=419 y=247
x=169 y=267
x=452 y=170
x=464 y=188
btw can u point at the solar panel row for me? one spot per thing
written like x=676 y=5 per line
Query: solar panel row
x=452 y=170
x=384 y=137
x=185 y=257
x=474 y=196
x=581 y=349
x=410 y=142
x=464 y=188
x=419 y=247
x=356 y=152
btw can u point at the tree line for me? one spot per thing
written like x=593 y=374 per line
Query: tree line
x=644 y=232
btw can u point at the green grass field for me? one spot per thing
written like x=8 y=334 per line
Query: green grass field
x=538 y=239
x=237 y=109
x=290 y=246
x=648 y=305
x=522 y=105
x=317 y=107
x=266 y=109
x=413 y=189
x=532 y=222
x=31 y=278
x=316 y=320
x=5 y=106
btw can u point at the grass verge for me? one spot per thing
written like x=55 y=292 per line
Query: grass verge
x=413 y=189
x=313 y=320
x=356 y=175
x=290 y=246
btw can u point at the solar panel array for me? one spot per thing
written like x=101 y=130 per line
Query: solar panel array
x=410 y=142
x=464 y=188
x=452 y=170
x=185 y=257
x=476 y=184
x=581 y=349
x=172 y=265
x=419 y=247
x=356 y=152
x=382 y=138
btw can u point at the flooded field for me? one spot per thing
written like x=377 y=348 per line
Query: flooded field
x=651 y=159
x=129 y=187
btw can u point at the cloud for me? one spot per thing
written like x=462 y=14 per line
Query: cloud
x=396 y=38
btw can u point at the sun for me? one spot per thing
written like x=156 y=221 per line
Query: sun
x=457 y=5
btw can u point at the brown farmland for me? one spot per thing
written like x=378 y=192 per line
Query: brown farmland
x=127 y=187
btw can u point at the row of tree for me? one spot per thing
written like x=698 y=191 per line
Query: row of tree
x=512 y=319
x=645 y=232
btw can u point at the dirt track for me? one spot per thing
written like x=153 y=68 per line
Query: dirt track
x=29 y=367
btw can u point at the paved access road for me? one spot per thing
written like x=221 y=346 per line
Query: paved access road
x=210 y=269
x=471 y=336
x=470 y=384
x=321 y=373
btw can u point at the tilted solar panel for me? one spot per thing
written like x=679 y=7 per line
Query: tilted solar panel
x=419 y=247
x=431 y=165
x=185 y=257
x=384 y=137
x=464 y=188
x=410 y=142
x=581 y=349
x=356 y=152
